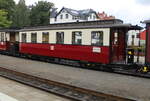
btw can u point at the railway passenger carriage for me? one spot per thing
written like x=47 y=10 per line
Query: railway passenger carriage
x=9 y=40
x=68 y=44
x=147 y=58
x=102 y=42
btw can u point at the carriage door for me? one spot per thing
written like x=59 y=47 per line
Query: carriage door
x=148 y=46
x=14 y=46
x=117 y=46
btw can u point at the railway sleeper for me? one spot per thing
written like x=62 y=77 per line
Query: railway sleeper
x=76 y=93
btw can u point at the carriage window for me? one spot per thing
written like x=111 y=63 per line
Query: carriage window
x=115 y=38
x=97 y=38
x=24 y=37
x=60 y=37
x=77 y=38
x=33 y=37
x=45 y=37
x=2 y=37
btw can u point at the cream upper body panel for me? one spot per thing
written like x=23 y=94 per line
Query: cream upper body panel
x=86 y=35
x=2 y=36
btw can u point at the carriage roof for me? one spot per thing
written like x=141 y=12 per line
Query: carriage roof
x=113 y=23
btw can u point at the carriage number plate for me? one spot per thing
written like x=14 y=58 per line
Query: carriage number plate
x=96 y=49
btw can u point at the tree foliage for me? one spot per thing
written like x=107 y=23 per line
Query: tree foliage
x=21 y=15
x=3 y=19
x=40 y=13
x=8 y=6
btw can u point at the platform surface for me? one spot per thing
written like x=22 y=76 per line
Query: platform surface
x=110 y=83
x=14 y=91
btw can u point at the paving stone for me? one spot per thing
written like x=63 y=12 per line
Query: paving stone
x=22 y=92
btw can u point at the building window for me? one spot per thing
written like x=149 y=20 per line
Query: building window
x=33 y=37
x=97 y=38
x=133 y=40
x=60 y=37
x=61 y=16
x=94 y=17
x=67 y=16
x=2 y=37
x=138 y=35
x=90 y=16
x=45 y=37
x=77 y=38
x=75 y=17
x=24 y=37
x=133 y=36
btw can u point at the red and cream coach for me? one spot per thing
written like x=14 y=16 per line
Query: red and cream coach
x=100 y=42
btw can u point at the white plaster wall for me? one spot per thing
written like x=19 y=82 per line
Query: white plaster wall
x=92 y=17
x=70 y=18
x=52 y=20
x=136 y=40
x=59 y=20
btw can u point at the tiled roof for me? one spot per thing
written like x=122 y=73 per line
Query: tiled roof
x=146 y=21
x=79 y=13
x=53 y=13
x=104 y=16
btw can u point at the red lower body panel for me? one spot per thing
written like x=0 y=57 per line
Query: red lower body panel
x=74 y=52
x=3 y=46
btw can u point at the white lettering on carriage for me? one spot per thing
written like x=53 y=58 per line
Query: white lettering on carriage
x=96 y=50
x=52 y=47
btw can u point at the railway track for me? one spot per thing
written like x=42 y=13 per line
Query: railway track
x=64 y=90
x=130 y=70
x=119 y=69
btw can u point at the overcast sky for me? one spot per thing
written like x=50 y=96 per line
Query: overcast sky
x=130 y=11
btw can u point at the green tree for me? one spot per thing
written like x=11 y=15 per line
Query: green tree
x=3 y=19
x=21 y=15
x=8 y=6
x=40 y=13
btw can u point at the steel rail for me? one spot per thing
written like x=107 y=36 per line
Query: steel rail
x=61 y=89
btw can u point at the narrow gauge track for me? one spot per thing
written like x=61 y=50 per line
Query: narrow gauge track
x=65 y=90
x=130 y=70
x=124 y=69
